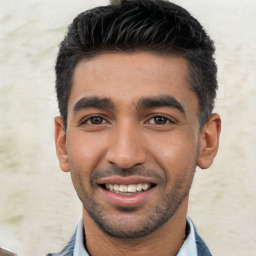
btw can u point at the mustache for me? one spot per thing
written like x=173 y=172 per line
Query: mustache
x=116 y=171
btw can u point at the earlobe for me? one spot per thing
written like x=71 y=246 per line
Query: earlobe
x=209 y=141
x=60 y=143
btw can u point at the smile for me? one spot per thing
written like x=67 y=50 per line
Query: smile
x=129 y=189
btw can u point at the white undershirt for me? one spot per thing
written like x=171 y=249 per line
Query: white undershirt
x=187 y=249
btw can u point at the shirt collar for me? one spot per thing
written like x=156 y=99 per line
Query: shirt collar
x=79 y=249
x=187 y=249
x=189 y=246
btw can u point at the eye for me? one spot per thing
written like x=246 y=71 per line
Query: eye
x=94 y=120
x=160 y=120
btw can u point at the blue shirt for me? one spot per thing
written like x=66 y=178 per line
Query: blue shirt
x=192 y=246
x=188 y=248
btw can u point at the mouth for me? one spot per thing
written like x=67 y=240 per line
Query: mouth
x=127 y=189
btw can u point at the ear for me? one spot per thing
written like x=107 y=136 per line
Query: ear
x=60 y=143
x=209 y=141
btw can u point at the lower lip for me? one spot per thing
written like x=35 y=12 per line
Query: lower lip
x=127 y=201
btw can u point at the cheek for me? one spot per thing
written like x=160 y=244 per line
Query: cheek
x=177 y=150
x=83 y=147
x=84 y=155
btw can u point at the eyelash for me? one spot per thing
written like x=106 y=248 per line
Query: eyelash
x=89 y=119
x=166 y=120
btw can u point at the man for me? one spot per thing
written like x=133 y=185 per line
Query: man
x=136 y=84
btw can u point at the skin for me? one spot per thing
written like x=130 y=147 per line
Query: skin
x=134 y=135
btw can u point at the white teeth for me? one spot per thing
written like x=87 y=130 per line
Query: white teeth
x=145 y=186
x=132 y=188
x=139 y=187
x=116 y=187
x=128 y=189
x=123 y=188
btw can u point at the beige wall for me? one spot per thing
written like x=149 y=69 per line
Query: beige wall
x=38 y=206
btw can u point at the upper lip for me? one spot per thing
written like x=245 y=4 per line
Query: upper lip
x=126 y=180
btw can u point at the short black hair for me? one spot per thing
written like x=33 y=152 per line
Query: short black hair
x=129 y=26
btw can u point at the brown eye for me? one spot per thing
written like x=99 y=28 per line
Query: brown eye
x=94 y=120
x=159 y=120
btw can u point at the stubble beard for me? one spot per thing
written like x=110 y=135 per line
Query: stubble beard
x=157 y=217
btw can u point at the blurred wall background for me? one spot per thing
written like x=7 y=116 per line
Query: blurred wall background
x=38 y=206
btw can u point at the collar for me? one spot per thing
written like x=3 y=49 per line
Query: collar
x=187 y=249
x=79 y=249
x=189 y=246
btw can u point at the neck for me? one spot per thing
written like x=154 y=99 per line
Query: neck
x=166 y=240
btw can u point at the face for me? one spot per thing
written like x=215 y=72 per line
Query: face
x=132 y=140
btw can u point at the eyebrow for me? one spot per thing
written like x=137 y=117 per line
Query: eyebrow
x=143 y=103
x=160 y=101
x=93 y=102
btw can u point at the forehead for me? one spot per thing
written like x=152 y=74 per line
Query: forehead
x=126 y=78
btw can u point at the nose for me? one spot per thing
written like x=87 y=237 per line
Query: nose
x=126 y=148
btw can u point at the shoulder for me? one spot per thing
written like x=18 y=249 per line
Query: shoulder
x=202 y=249
x=69 y=248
